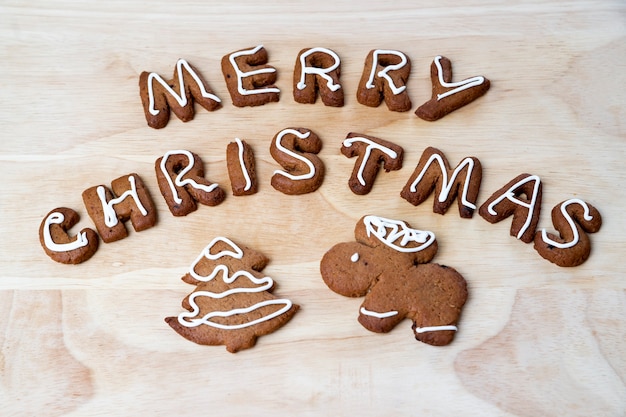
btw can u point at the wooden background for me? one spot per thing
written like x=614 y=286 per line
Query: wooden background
x=534 y=339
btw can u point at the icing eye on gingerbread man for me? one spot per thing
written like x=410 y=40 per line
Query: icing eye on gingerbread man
x=388 y=264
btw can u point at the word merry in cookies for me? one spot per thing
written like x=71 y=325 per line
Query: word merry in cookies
x=250 y=82
x=180 y=175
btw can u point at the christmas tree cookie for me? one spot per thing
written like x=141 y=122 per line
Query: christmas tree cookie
x=232 y=304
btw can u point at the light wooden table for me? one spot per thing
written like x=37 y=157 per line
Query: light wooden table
x=534 y=339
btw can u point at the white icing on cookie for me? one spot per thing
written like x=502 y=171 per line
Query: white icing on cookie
x=180 y=97
x=368 y=151
x=58 y=218
x=322 y=72
x=384 y=72
x=586 y=215
x=510 y=195
x=389 y=231
x=366 y=312
x=299 y=157
x=458 y=86
x=179 y=181
x=241 y=74
x=110 y=216
x=447 y=185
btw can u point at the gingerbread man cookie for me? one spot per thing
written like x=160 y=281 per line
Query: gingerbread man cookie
x=389 y=266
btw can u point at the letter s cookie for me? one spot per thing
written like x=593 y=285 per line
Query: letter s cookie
x=571 y=218
x=295 y=150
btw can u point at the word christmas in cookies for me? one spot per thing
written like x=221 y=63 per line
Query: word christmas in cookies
x=389 y=265
x=232 y=304
x=181 y=179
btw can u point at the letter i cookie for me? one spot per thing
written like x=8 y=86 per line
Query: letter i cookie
x=241 y=167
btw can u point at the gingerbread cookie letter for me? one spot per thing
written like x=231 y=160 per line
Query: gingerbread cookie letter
x=384 y=77
x=317 y=69
x=572 y=218
x=180 y=176
x=248 y=78
x=127 y=199
x=508 y=201
x=295 y=149
x=178 y=94
x=232 y=304
x=371 y=152
x=388 y=265
x=447 y=95
x=241 y=168
x=433 y=173
x=56 y=242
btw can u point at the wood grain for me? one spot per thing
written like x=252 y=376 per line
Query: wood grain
x=90 y=339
